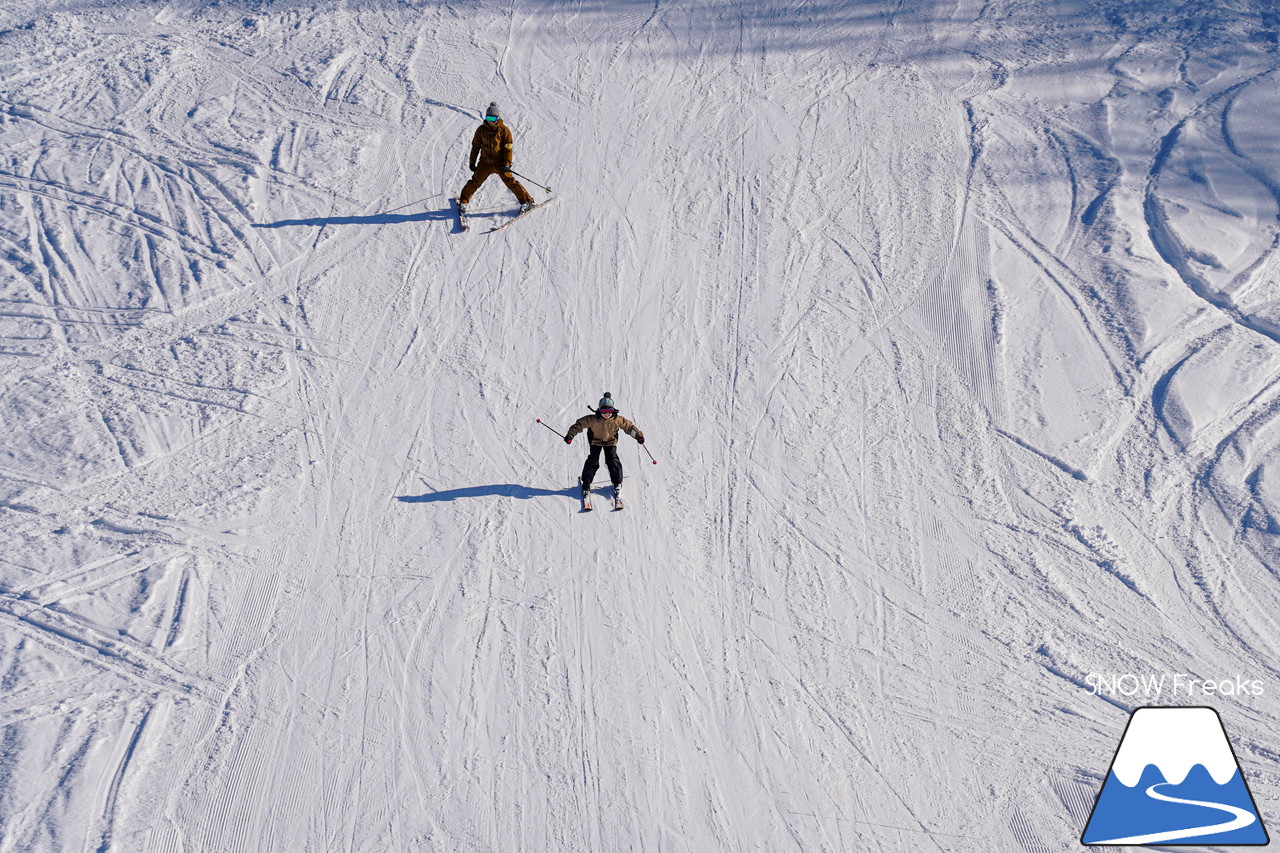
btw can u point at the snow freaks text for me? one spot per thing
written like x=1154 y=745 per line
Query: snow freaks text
x=1177 y=684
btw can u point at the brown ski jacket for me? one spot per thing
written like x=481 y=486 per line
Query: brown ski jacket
x=604 y=431
x=492 y=146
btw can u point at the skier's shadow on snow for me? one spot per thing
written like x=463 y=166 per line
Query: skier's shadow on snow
x=445 y=215
x=509 y=490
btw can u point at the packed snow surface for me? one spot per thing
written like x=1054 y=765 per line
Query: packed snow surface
x=953 y=327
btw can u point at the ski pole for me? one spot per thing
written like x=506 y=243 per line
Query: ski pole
x=646 y=450
x=530 y=180
x=549 y=427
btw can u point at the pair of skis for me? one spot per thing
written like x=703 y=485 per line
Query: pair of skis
x=465 y=224
x=586 y=498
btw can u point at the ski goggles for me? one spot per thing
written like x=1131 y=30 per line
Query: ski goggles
x=490 y=118
x=608 y=413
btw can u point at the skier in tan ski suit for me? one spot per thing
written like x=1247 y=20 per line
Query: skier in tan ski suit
x=491 y=153
x=602 y=430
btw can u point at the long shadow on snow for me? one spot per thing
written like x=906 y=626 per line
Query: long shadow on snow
x=445 y=215
x=511 y=490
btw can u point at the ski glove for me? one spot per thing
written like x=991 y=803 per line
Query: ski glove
x=568 y=441
x=640 y=439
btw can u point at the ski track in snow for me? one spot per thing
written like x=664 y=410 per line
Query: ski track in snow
x=951 y=326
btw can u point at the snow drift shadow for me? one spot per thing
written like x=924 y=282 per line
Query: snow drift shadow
x=510 y=490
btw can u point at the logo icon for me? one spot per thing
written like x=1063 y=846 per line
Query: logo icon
x=1175 y=780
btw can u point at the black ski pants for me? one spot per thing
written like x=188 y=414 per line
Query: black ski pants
x=611 y=460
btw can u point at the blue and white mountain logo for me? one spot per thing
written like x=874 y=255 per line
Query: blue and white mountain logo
x=1175 y=780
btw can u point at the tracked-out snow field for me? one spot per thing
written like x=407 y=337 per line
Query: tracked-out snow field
x=954 y=329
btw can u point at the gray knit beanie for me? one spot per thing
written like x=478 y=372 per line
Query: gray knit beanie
x=493 y=110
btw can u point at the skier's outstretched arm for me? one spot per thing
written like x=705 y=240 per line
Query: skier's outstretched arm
x=474 y=160
x=508 y=152
x=578 y=426
x=632 y=430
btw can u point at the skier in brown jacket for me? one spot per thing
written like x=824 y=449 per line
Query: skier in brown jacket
x=602 y=430
x=491 y=153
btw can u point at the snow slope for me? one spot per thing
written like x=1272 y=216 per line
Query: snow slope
x=953 y=327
